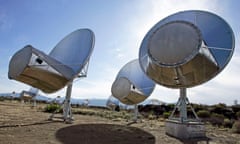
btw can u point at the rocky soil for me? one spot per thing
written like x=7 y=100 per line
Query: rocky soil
x=23 y=124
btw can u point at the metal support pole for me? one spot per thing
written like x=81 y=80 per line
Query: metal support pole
x=34 y=101
x=67 y=113
x=189 y=131
x=135 y=113
x=183 y=104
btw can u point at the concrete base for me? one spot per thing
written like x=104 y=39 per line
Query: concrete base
x=185 y=131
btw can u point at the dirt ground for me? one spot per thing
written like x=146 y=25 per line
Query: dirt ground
x=22 y=124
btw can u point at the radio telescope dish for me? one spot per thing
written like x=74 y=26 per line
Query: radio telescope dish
x=49 y=73
x=186 y=49
x=52 y=72
x=131 y=85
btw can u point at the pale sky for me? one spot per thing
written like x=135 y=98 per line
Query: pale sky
x=119 y=27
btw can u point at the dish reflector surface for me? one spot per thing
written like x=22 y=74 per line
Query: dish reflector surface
x=75 y=49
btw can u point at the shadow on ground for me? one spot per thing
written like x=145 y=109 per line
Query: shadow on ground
x=103 y=134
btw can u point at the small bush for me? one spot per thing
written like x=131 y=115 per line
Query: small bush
x=236 y=127
x=151 y=117
x=238 y=115
x=52 y=108
x=217 y=119
x=166 y=115
x=227 y=123
x=236 y=108
x=203 y=114
x=170 y=107
x=1 y=98
x=85 y=112
x=199 y=107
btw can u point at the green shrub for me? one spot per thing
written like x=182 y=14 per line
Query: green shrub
x=217 y=119
x=166 y=115
x=203 y=114
x=52 y=108
x=236 y=108
x=236 y=127
x=228 y=123
x=238 y=115
x=171 y=106
x=199 y=107
x=85 y=112
x=1 y=98
x=151 y=117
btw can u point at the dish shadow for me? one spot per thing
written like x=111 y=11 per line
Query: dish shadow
x=103 y=134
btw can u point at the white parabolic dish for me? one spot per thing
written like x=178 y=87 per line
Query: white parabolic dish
x=52 y=72
x=186 y=49
x=131 y=85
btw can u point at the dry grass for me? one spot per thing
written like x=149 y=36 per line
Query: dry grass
x=24 y=124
